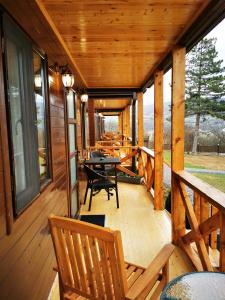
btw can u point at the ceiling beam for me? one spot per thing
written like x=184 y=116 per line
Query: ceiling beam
x=110 y=110
x=111 y=93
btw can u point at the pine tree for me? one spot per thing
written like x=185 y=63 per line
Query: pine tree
x=205 y=84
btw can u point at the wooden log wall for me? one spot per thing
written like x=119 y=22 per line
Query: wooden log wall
x=2 y=198
x=26 y=255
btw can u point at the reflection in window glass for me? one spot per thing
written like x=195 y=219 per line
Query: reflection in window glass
x=73 y=174
x=17 y=117
x=70 y=105
x=74 y=205
x=72 y=138
x=41 y=116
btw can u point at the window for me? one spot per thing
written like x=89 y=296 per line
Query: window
x=27 y=115
x=40 y=100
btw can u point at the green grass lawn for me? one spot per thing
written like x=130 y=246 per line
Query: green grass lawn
x=167 y=158
x=216 y=180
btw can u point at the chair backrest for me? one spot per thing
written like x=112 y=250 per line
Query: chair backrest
x=90 y=259
x=91 y=174
x=96 y=154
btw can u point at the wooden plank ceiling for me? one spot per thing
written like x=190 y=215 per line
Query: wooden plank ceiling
x=119 y=43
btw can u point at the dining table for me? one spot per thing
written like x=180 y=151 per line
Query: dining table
x=104 y=161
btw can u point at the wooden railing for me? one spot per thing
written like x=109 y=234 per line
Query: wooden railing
x=146 y=167
x=205 y=212
x=125 y=153
x=206 y=216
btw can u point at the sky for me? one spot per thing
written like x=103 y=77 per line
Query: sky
x=219 y=33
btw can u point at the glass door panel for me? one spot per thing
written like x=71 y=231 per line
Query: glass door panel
x=72 y=138
x=21 y=114
x=39 y=91
x=72 y=153
x=17 y=124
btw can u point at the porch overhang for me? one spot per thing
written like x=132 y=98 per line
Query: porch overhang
x=115 y=45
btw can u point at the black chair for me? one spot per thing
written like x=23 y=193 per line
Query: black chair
x=97 y=182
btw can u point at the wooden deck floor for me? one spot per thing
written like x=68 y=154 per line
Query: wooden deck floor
x=144 y=230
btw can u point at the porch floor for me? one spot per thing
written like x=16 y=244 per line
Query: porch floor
x=144 y=230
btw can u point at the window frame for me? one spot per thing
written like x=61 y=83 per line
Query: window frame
x=14 y=210
x=45 y=91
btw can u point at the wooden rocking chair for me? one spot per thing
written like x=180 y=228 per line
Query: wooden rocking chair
x=91 y=264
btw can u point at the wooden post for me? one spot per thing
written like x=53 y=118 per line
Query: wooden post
x=134 y=129
x=158 y=141
x=128 y=121
x=120 y=124
x=140 y=120
x=222 y=242
x=91 y=117
x=177 y=135
x=124 y=122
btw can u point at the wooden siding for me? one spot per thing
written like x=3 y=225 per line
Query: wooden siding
x=26 y=255
x=2 y=198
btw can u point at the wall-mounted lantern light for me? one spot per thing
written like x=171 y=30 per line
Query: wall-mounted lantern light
x=68 y=79
x=84 y=97
x=67 y=76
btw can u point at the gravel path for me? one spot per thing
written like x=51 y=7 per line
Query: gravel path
x=206 y=171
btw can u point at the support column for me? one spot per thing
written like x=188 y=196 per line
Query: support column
x=120 y=124
x=124 y=121
x=158 y=141
x=134 y=129
x=128 y=121
x=91 y=117
x=140 y=120
x=177 y=136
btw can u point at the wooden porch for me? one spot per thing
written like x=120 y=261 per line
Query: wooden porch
x=144 y=230
x=116 y=50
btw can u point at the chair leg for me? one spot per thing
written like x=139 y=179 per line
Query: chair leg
x=89 y=208
x=117 y=198
x=85 y=197
x=108 y=193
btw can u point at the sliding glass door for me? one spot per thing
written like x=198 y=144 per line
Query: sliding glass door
x=26 y=104
x=72 y=152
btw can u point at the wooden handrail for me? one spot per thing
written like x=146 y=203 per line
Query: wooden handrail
x=112 y=141
x=206 y=214
x=211 y=194
x=147 y=151
x=112 y=147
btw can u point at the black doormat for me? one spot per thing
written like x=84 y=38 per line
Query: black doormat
x=94 y=219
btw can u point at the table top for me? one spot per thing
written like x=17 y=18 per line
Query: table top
x=196 y=286
x=102 y=161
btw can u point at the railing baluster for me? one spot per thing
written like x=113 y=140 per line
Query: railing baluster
x=204 y=215
x=213 y=239
x=197 y=199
